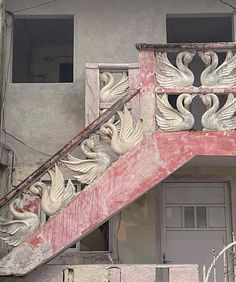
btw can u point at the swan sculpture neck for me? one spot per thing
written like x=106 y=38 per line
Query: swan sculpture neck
x=182 y=62
x=213 y=107
x=212 y=61
x=43 y=191
x=113 y=128
x=86 y=148
x=181 y=108
x=108 y=79
x=20 y=215
x=209 y=76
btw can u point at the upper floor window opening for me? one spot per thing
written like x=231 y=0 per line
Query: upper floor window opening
x=43 y=50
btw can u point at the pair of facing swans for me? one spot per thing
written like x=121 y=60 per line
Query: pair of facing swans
x=170 y=119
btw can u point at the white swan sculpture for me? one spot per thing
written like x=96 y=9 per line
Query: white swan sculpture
x=14 y=232
x=91 y=168
x=172 y=119
x=110 y=92
x=168 y=75
x=221 y=76
x=222 y=119
x=55 y=198
x=124 y=136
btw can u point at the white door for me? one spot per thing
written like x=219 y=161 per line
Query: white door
x=195 y=221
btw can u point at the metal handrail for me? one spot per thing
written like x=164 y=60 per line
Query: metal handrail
x=38 y=173
x=176 y=47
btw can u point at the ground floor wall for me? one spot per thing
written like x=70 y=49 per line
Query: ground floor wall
x=136 y=229
x=136 y=232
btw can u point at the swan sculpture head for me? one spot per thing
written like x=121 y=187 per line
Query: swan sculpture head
x=37 y=189
x=89 y=143
x=105 y=131
x=206 y=99
x=106 y=77
x=186 y=57
x=187 y=100
x=208 y=57
x=16 y=205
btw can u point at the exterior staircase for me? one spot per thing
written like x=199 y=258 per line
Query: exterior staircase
x=125 y=181
x=157 y=156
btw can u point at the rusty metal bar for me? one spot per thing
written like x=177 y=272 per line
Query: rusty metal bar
x=177 y=47
x=68 y=147
x=195 y=90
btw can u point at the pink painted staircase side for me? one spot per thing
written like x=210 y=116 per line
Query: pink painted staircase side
x=155 y=158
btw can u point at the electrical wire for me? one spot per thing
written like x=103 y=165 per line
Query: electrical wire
x=228 y=4
x=26 y=145
x=35 y=6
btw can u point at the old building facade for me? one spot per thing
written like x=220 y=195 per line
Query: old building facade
x=169 y=200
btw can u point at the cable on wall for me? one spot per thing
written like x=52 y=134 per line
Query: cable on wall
x=228 y=4
x=35 y=6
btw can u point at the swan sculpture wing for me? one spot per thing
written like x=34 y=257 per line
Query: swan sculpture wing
x=226 y=115
x=127 y=131
x=227 y=71
x=171 y=119
x=121 y=87
x=88 y=169
x=13 y=232
x=229 y=108
x=168 y=75
x=223 y=119
x=57 y=186
x=80 y=165
x=69 y=192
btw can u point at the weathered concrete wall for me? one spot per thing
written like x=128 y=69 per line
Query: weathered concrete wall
x=47 y=116
x=135 y=230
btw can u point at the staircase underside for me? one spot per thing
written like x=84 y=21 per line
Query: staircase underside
x=155 y=158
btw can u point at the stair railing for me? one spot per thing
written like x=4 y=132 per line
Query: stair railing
x=72 y=144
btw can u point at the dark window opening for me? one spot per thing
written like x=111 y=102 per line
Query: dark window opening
x=66 y=72
x=43 y=50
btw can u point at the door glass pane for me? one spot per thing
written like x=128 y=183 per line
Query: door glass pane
x=189 y=217
x=173 y=217
x=217 y=217
x=201 y=217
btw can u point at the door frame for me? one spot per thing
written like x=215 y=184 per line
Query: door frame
x=159 y=209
